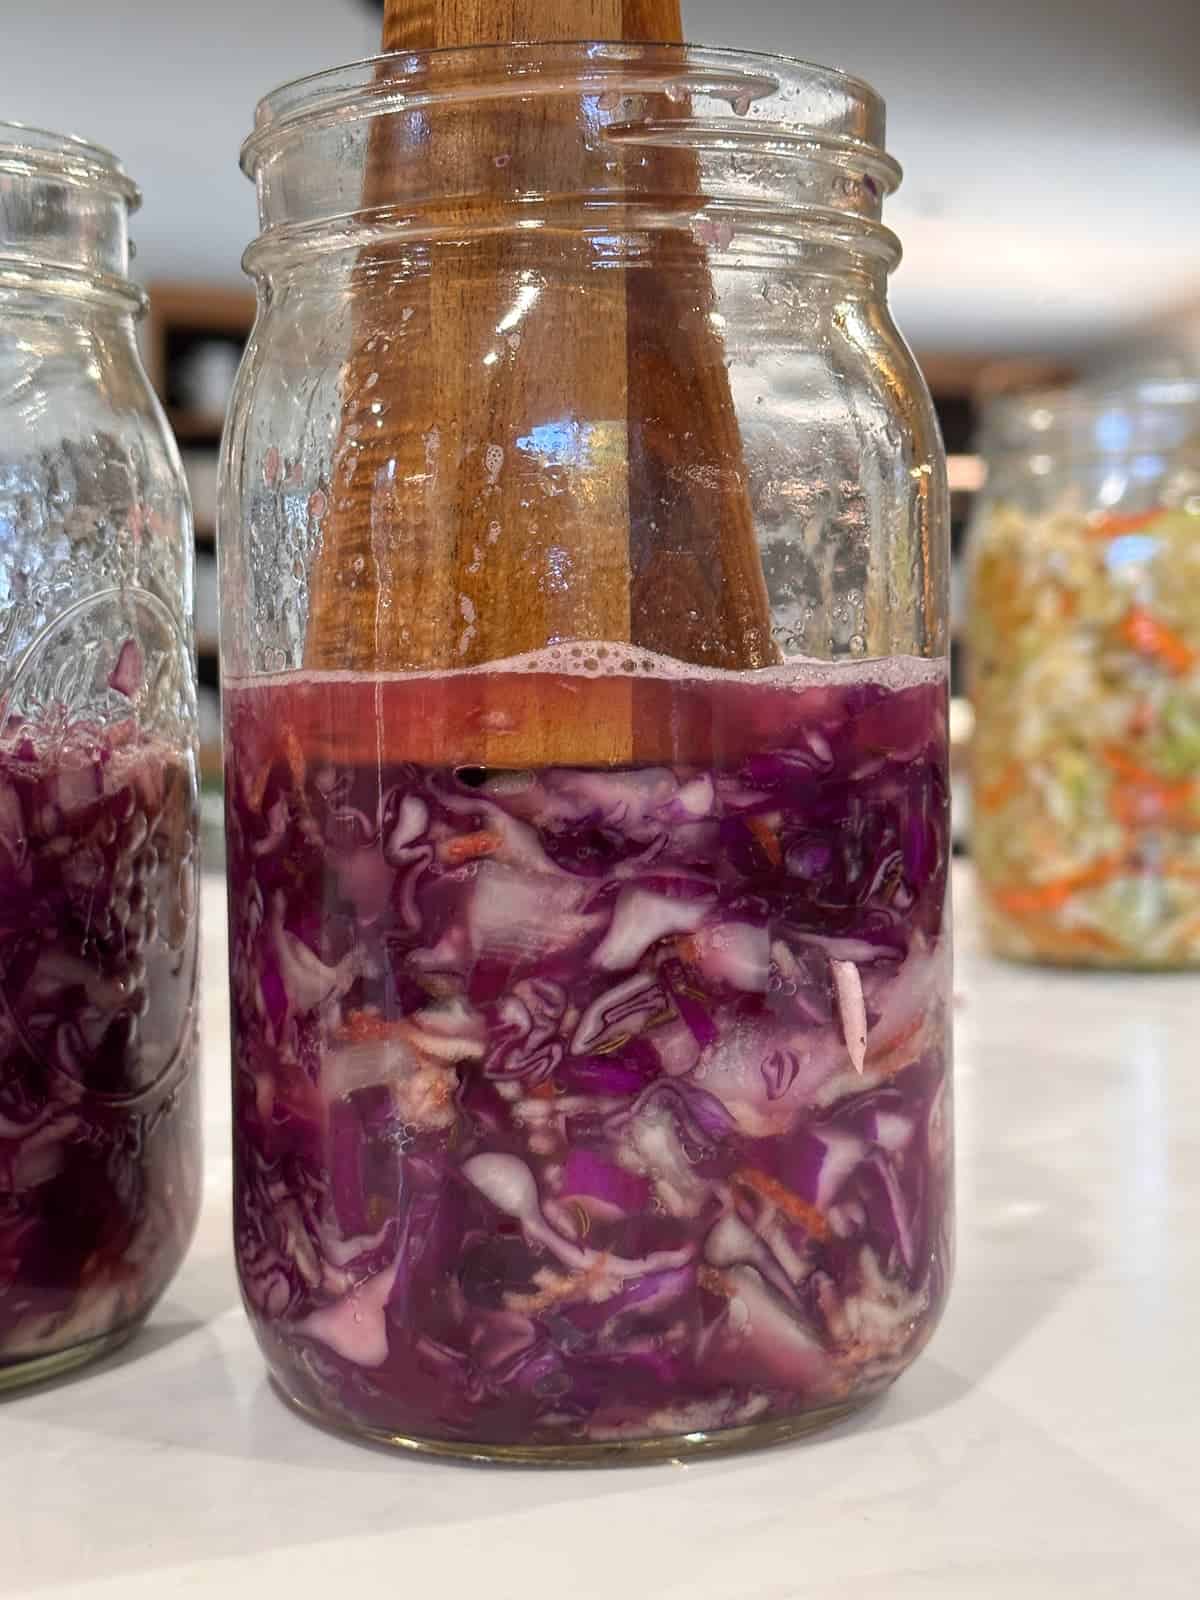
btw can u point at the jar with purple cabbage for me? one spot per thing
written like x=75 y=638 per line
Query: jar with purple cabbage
x=99 y=1127
x=589 y=964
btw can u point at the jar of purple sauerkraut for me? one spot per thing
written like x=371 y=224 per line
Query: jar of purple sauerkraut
x=99 y=1127
x=591 y=1089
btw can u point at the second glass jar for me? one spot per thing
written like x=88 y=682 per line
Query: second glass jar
x=1084 y=657
x=100 y=1178
x=584 y=554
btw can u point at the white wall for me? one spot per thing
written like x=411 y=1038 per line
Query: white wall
x=1052 y=147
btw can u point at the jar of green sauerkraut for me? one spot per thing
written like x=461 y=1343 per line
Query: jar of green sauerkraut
x=1084 y=641
x=584 y=560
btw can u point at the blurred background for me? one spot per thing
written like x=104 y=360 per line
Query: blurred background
x=1049 y=211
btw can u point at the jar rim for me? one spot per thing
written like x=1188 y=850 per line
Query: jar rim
x=25 y=148
x=854 y=117
x=1100 y=415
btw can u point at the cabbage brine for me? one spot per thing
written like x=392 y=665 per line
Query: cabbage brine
x=582 y=1104
x=99 y=1166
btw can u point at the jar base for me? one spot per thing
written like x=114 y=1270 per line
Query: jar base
x=601 y=1453
x=22 y=1374
x=1120 y=962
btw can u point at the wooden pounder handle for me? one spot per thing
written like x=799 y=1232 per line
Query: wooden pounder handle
x=439 y=551
x=443 y=24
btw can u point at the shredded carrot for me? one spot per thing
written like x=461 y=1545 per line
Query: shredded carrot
x=1149 y=636
x=470 y=846
x=783 y=1200
x=1142 y=797
x=1123 y=764
x=258 y=788
x=688 y=951
x=1055 y=894
x=542 y=1091
x=992 y=796
x=892 y=1055
x=368 y=1027
x=709 y=1278
x=1112 y=527
x=289 y=748
x=620 y=1040
x=1055 y=940
x=1142 y=807
x=294 y=755
x=1088 y=938
x=1068 y=602
x=767 y=839
x=560 y=1286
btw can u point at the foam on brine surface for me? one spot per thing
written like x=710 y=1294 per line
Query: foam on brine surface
x=602 y=659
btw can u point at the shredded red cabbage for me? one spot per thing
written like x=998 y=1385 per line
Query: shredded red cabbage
x=99 y=1138
x=585 y=1104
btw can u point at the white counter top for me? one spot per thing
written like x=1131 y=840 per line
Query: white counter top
x=1047 y=1444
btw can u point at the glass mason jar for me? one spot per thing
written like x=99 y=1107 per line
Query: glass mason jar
x=584 y=556
x=1085 y=674
x=99 y=1127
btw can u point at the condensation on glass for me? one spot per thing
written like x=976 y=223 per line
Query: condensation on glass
x=99 y=1124
x=587 y=792
x=1084 y=642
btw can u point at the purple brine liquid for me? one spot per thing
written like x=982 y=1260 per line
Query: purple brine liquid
x=99 y=1136
x=579 y=1105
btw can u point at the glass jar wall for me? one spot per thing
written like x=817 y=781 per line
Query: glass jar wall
x=99 y=1130
x=1085 y=668
x=584 y=552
